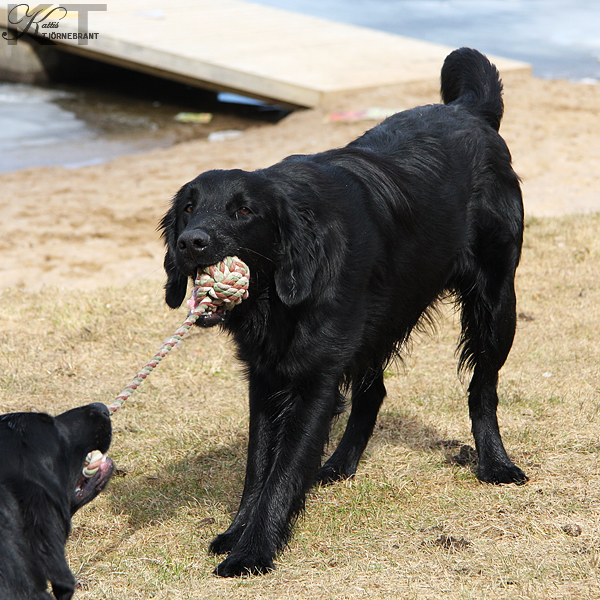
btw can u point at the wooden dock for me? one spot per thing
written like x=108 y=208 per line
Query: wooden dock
x=267 y=53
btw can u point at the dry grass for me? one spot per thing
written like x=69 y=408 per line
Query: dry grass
x=413 y=523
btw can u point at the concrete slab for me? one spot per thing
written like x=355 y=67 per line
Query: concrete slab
x=264 y=52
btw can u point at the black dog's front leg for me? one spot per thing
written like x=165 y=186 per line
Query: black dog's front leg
x=260 y=449
x=285 y=450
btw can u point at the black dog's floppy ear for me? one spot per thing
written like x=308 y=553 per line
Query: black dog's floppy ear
x=176 y=286
x=309 y=251
x=299 y=261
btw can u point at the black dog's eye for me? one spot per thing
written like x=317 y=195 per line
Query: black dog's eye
x=188 y=208
x=244 y=210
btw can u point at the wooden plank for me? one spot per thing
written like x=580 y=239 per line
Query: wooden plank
x=260 y=51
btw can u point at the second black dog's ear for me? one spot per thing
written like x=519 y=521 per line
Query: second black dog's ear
x=46 y=521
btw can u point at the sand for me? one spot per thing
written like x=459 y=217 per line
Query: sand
x=97 y=226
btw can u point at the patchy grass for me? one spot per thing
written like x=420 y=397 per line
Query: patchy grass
x=414 y=523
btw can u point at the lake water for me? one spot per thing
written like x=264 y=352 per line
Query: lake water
x=35 y=130
x=560 y=38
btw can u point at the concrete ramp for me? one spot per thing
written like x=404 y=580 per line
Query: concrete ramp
x=266 y=53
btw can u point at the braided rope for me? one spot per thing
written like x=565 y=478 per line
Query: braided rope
x=223 y=285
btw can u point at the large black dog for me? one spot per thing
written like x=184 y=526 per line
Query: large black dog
x=348 y=250
x=41 y=487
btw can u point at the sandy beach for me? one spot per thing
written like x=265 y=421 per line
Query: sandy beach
x=96 y=226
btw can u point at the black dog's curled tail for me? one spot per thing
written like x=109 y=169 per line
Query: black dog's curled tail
x=470 y=79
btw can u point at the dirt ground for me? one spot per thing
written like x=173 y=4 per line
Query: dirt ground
x=96 y=226
x=414 y=523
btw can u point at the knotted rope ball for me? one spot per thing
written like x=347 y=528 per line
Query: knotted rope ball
x=222 y=285
x=218 y=287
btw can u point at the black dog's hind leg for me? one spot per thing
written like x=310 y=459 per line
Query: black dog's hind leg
x=488 y=322
x=367 y=396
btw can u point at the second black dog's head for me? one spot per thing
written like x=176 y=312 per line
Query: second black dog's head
x=82 y=430
x=50 y=452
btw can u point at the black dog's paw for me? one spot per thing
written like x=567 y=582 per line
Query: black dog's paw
x=224 y=542
x=332 y=474
x=238 y=565
x=509 y=473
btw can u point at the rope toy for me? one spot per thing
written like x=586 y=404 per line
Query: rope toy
x=216 y=288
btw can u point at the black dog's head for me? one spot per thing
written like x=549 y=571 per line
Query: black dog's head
x=269 y=219
x=218 y=214
x=50 y=452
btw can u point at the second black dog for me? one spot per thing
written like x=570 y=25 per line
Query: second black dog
x=41 y=487
x=348 y=250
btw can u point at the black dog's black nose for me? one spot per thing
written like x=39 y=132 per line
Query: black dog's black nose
x=192 y=240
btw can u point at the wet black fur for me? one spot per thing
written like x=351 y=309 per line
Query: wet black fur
x=41 y=459
x=348 y=249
